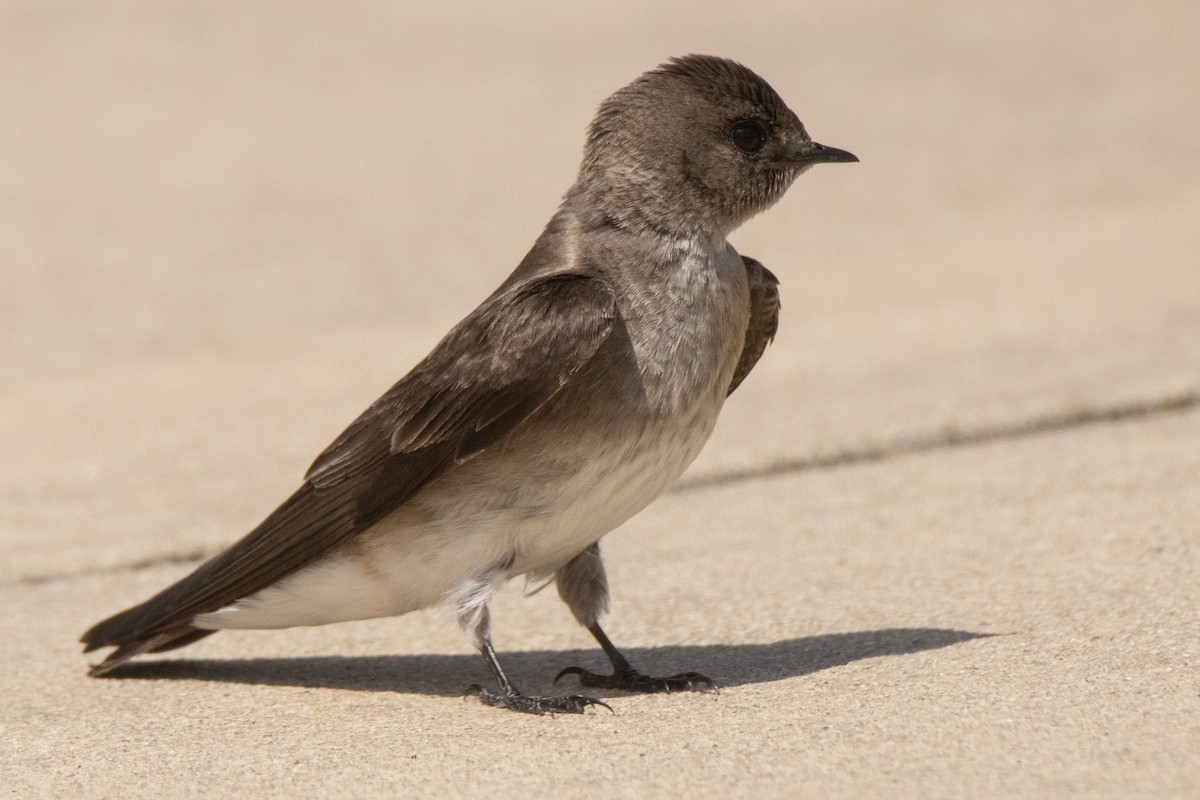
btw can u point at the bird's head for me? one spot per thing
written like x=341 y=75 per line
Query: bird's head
x=695 y=147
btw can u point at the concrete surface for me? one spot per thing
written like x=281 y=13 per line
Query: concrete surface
x=944 y=542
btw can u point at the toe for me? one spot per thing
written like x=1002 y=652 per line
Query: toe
x=514 y=701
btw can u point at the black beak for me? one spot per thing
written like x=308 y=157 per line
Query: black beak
x=813 y=153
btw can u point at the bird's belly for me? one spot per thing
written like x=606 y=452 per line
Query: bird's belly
x=606 y=490
x=490 y=516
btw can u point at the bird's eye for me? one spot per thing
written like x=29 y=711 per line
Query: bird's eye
x=748 y=135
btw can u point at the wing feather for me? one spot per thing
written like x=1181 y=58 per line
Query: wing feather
x=764 y=318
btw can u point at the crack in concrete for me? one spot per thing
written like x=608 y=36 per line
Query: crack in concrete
x=952 y=437
x=941 y=439
x=185 y=557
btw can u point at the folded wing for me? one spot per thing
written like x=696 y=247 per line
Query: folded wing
x=493 y=370
x=764 y=318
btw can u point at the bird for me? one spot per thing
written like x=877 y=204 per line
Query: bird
x=569 y=399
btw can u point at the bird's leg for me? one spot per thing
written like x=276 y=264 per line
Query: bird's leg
x=508 y=696
x=628 y=679
x=583 y=586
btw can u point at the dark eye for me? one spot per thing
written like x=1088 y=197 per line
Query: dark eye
x=748 y=135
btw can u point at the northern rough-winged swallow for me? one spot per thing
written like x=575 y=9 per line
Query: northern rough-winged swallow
x=559 y=408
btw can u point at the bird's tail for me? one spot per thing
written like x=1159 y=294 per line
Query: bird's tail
x=122 y=630
x=308 y=524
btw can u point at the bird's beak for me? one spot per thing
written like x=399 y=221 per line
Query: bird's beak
x=813 y=153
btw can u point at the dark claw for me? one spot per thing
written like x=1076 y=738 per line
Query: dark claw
x=634 y=681
x=514 y=701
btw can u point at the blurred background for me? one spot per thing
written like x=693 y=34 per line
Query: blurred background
x=225 y=227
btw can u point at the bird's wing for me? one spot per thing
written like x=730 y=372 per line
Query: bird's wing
x=493 y=370
x=764 y=318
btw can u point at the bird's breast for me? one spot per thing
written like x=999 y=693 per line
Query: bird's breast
x=688 y=327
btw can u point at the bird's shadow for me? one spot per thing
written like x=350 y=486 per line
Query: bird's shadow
x=448 y=675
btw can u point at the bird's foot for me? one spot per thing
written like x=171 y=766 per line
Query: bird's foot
x=630 y=680
x=515 y=701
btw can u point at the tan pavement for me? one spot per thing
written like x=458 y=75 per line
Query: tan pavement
x=225 y=229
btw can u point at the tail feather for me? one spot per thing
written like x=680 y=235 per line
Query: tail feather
x=153 y=644
x=302 y=528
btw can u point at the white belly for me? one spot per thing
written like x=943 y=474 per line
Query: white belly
x=474 y=530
